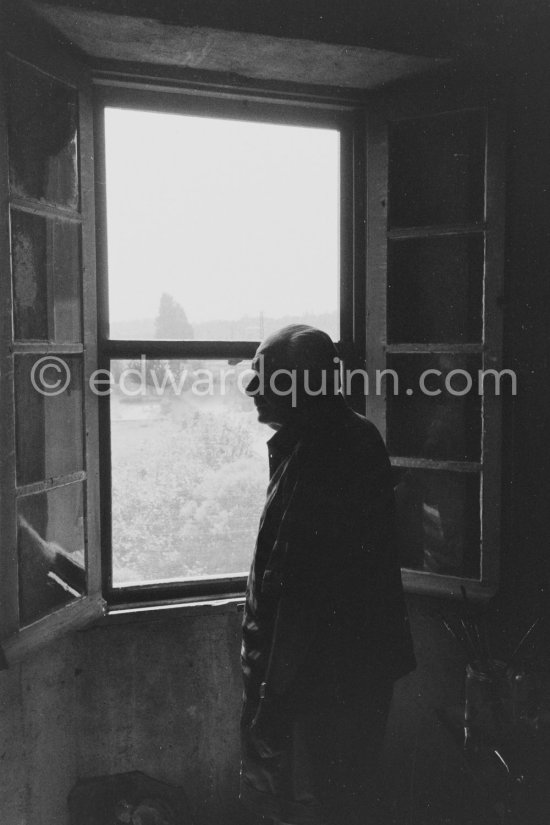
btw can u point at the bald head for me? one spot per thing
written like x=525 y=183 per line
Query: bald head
x=297 y=369
x=299 y=347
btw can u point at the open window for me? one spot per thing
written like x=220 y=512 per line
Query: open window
x=221 y=221
x=435 y=261
x=133 y=466
x=49 y=493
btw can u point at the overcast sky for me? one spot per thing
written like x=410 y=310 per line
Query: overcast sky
x=231 y=218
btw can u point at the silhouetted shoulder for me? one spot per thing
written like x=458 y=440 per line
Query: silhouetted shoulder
x=359 y=431
x=345 y=453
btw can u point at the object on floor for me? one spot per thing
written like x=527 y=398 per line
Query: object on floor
x=128 y=799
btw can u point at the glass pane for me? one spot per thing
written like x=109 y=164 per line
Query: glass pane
x=437 y=170
x=30 y=279
x=220 y=229
x=66 y=268
x=439 y=521
x=51 y=550
x=42 y=133
x=435 y=290
x=45 y=255
x=189 y=470
x=444 y=426
x=48 y=406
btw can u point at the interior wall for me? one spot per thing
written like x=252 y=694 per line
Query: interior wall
x=526 y=297
x=163 y=697
x=38 y=736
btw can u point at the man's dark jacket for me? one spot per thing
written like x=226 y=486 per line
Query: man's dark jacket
x=324 y=599
x=325 y=631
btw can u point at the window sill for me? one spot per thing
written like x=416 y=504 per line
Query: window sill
x=147 y=612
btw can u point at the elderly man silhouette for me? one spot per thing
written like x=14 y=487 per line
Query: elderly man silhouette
x=325 y=632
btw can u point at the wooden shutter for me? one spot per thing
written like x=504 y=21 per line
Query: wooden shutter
x=434 y=272
x=50 y=577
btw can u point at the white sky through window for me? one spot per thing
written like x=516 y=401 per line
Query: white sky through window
x=231 y=218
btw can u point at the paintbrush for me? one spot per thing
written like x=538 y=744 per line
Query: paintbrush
x=523 y=640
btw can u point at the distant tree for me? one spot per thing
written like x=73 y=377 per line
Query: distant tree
x=171 y=321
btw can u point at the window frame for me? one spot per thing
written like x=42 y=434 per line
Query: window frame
x=363 y=258
x=423 y=102
x=348 y=118
x=35 y=49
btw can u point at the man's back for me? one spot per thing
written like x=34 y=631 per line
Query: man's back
x=326 y=556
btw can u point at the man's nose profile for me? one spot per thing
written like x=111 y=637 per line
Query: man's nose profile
x=253 y=386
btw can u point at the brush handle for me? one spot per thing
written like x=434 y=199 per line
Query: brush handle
x=524 y=639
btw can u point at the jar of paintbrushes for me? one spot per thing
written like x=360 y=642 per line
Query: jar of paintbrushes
x=485 y=684
x=525 y=681
x=496 y=692
x=485 y=696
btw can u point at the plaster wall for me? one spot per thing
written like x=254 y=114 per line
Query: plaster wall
x=38 y=741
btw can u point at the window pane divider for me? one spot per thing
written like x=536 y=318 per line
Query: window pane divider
x=434 y=464
x=458 y=349
x=179 y=349
x=46 y=347
x=50 y=483
x=42 y=208
x=118 y=348
x=436 y=231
